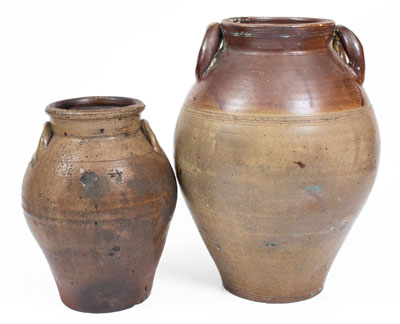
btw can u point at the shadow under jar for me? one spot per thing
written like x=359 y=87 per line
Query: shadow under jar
x=276 y=151
x=98 y=197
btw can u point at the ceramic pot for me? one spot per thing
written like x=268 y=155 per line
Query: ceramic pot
x=276 y=151
x=98 y=197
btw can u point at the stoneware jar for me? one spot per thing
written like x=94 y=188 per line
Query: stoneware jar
x=276 y=151
x=98 y=196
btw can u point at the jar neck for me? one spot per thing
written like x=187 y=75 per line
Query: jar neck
x=277 y=34
x=95 y=116
x=95 y=127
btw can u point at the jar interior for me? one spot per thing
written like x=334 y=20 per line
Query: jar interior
x=95 y=103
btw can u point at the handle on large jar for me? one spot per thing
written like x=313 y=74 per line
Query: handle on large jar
x=209 y=48
x=350 y=49
x=44 y=141
x=148 y=132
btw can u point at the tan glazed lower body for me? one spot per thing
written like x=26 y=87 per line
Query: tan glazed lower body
x=275 y=197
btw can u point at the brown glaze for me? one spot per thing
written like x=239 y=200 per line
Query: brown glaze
x=98 y=196
x=276 y=151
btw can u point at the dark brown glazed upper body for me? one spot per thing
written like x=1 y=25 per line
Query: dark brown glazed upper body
x=278 y=66
x=98 y=196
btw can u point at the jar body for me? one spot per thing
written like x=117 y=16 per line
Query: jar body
x=99 y=205
x=276 y=153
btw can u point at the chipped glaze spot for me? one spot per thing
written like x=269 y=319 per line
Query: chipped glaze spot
x=314 y=188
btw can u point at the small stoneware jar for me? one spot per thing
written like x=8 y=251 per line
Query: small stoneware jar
x=98 y=196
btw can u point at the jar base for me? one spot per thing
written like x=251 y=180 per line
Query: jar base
x=97 y=309
x=274 y=299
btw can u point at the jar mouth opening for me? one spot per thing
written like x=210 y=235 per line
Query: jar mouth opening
x=98 y=107
x=276 y=21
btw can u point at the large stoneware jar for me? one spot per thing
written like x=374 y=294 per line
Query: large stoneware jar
x=98 y=197
x=276 y=151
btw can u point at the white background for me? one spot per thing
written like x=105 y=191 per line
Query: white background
x=53 y=50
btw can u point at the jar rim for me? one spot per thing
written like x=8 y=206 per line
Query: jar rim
x=277 y=27
x=95 y=107
x=293 y=22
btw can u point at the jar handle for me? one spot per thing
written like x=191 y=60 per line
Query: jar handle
x=350 y=49
x=147 y=131
x=209 y=48
x=44 y=141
